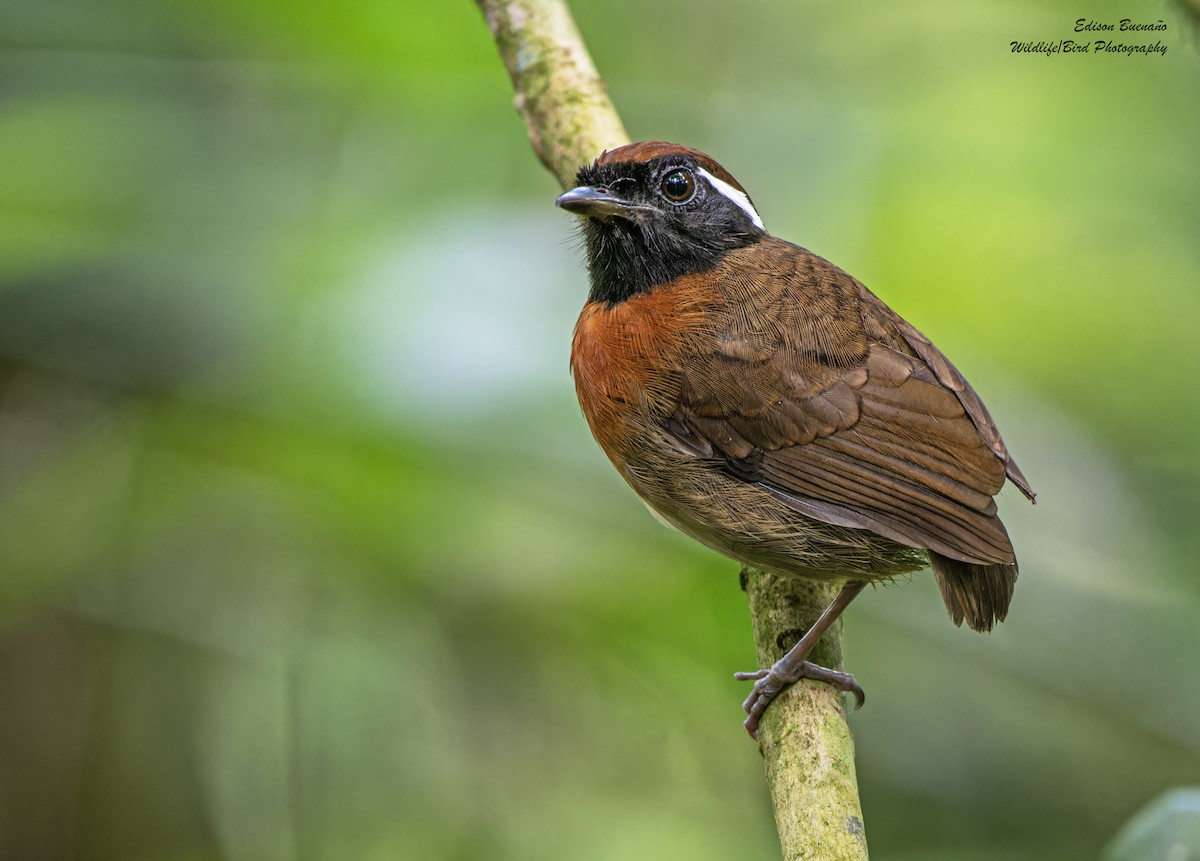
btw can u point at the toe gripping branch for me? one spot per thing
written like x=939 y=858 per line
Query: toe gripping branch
x=793 y=666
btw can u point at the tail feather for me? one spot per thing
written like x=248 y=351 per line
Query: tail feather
x=977 y=594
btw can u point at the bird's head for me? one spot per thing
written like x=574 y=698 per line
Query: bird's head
x=654 y=211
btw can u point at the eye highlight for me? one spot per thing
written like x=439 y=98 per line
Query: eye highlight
x=678 y=186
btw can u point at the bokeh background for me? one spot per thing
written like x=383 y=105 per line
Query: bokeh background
x=305 y=551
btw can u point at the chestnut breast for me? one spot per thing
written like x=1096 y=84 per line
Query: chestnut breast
x=632 y=359
x=627 y=359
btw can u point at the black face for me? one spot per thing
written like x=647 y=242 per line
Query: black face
x=647 y=223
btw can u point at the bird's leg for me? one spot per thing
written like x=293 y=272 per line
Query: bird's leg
x=792 y=667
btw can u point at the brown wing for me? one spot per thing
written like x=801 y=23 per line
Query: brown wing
x=842 y=410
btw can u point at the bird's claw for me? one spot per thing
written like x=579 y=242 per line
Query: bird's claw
x=769 y=683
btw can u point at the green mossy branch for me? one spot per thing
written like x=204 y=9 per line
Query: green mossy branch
x=804 y=737
x=806 y=742
x=558 y=91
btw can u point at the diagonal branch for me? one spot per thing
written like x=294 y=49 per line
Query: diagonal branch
x=804 y=737
x=558 y=91
x=806 y=742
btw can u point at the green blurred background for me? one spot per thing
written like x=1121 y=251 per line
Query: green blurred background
x=305 y=551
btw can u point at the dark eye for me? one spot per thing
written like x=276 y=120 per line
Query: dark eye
x=678 y=186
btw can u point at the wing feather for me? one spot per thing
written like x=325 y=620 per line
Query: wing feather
x=842 y=410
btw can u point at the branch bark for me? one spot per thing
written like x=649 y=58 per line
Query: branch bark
x=804 y=738
x=557 y=90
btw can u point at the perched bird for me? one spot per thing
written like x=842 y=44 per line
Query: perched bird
x=764 y=402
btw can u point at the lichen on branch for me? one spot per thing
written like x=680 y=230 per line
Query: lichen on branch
x=558 y=91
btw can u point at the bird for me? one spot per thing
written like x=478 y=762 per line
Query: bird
x=765 y=403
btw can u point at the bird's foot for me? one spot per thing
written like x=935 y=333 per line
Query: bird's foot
x=768 y=684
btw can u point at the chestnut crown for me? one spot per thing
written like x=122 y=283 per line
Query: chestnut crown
x=654 y=211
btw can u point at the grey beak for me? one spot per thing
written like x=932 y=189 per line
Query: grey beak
x=596 y=202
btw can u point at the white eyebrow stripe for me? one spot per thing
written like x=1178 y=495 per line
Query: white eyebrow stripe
x=739 y=198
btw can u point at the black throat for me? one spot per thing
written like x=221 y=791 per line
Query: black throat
x=626 y=258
